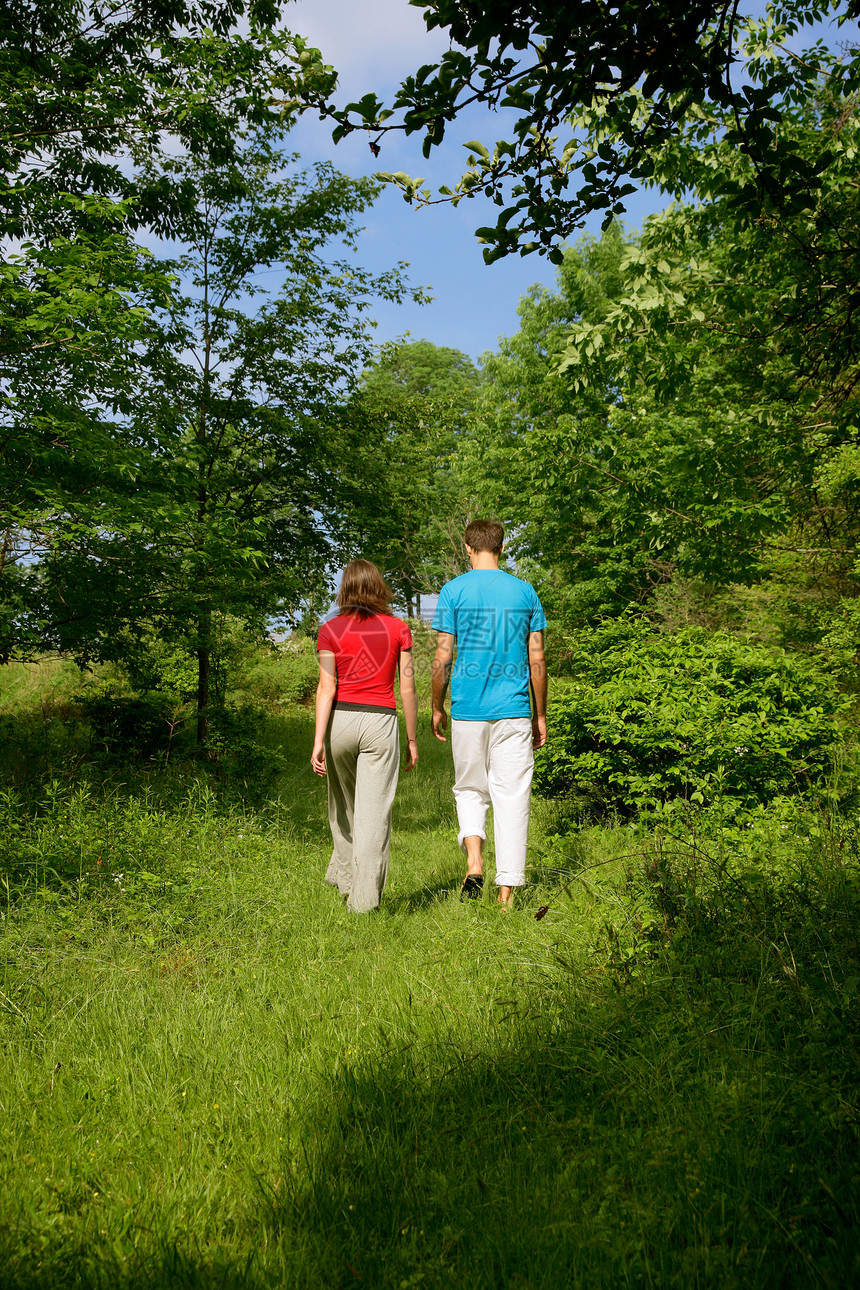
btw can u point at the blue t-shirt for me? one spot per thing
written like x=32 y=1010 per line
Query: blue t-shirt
x=491 y=614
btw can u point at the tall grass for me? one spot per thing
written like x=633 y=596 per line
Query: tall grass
x=211 y=1074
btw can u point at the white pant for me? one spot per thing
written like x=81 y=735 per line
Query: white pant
x=493 y=764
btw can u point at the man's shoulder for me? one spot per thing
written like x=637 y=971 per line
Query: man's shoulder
x=478 y=584
x=454 y=592
x=454 y=584
x=516 y=589
x=521 y=582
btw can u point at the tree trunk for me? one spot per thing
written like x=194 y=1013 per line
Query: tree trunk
x=204 y=668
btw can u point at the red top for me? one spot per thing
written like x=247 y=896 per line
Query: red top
x=366 y=652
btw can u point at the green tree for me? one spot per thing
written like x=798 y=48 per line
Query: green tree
x=409 y=422
x=71 y=318
x=623 y=79
x=691 y=412
x=88 y=92
x=535 y=434
x=235 y=505
x=733 y=349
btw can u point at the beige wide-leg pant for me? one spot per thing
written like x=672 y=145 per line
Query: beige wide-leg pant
x=362 y=753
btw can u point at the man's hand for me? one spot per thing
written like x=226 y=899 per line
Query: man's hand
x=538 y=732
x=440 y=723
x=442 y=661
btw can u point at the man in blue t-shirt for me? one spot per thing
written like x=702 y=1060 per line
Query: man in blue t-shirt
x=497 y=623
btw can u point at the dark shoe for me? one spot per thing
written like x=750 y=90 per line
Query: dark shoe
x=473 y=887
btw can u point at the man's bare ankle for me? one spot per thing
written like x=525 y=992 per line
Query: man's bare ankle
x=474 y=855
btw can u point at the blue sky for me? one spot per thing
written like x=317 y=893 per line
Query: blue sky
x=373 y=45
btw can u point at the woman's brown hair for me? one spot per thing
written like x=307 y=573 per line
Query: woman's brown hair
x=363 y=590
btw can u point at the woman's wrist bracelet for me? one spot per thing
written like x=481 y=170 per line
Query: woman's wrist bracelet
x=412 y=741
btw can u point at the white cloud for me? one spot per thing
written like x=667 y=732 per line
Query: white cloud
x=372 y=44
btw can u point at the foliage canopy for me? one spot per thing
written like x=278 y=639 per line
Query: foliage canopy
x=625 y=79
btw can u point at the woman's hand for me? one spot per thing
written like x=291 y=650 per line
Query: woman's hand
x=409 y=699
x=318 y=758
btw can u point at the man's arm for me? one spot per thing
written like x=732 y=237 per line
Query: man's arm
x=441 y=672
x=538 y=678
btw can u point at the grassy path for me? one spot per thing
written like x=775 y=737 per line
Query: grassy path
x=212 y=1075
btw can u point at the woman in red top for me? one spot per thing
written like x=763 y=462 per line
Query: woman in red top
x=356 y=740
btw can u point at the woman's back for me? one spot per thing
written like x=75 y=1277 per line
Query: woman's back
x=366 y=649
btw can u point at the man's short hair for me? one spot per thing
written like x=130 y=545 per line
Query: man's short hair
x=485 y=535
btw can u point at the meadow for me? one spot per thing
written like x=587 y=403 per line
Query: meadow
x=212 y=1075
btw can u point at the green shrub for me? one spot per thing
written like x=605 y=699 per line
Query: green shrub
x=245 y=751
x=286 y=675
x=152 y=664
x=123 y=725
x=649 y=718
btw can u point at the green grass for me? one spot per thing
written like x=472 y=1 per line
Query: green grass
x=212 y=1075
